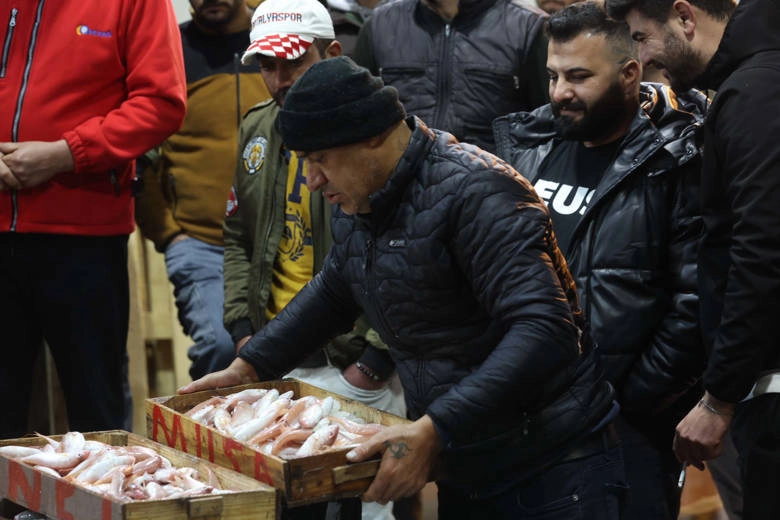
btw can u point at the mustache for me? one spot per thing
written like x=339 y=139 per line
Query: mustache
x=567 y=105
x=210 y=3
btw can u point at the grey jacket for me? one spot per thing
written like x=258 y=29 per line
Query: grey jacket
x=458 y=76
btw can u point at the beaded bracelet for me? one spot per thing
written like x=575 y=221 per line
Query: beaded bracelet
x=712 y=409
x=367 y=371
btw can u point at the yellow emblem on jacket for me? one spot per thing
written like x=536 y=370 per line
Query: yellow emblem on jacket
x=254 y=155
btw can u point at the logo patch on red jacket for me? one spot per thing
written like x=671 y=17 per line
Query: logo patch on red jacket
x=232 y=203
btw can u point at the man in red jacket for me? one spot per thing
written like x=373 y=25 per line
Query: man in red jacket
x=86 y=86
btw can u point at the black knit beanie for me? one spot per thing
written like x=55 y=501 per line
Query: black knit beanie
x=335 y=103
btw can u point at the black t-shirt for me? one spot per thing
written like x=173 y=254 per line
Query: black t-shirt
x=567 y=180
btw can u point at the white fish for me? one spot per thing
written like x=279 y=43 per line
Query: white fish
x=56 y=460
x=72 y=442
x=311 y=415
x=101 y=467
x=222 y=421
x=48 y=471
x=248 y=396
x=269 y=397
x=16 y=452
x=297 y=407
x=242 y=413
x=251 y=428
x=205 y=415
x=321 y=438
x=214 y=402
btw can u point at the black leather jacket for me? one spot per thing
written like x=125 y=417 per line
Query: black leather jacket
x=456 y=268
x=739 y=271
x=458 y=76
x=633 y=252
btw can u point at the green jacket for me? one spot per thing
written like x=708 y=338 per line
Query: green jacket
x=253 y=230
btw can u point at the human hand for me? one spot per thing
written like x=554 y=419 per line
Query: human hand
x=699 y=435
x=238 y=373
x=408 y=455
x=32 y=163
x=7 y=179
x=240 y=343
x=356 y=378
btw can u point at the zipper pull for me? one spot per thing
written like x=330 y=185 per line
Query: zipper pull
x=516 y=79
x=447 y=30
x=368 y=251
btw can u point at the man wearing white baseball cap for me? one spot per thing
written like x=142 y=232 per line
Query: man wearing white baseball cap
x=277 y=233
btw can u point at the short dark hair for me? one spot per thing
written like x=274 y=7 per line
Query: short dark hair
x=322 y=44
x=580 y=17
x=659 y=10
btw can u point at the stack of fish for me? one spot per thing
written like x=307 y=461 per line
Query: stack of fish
x=277 y=424
x=124 y=473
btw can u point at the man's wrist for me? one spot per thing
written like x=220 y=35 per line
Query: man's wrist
x=716 y=406
x=366 y=371
x=359 y=379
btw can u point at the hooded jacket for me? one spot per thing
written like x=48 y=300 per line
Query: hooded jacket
x=739 y=266
x=456 y=268
x=459 y=75
x=108 y=78
x=633 y=252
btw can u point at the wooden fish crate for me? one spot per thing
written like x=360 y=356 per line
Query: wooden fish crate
x=326 y=476
x=60 y=499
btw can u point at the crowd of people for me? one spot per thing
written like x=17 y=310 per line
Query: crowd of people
x=548 y=239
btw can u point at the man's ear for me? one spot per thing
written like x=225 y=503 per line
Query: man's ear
x=630 y=77
x=333 y=50
x=685 y=15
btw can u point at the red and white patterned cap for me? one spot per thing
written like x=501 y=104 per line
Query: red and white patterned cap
x=286 y=28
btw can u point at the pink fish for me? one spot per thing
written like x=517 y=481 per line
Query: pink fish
x=318 y=440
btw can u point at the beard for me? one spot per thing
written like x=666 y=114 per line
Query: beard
x=681 y=63
x=216 y=21
x=598 y=120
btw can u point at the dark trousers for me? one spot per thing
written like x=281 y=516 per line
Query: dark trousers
x=756 y=433
x=73 y=292
x=588 y=488
x=652 y=473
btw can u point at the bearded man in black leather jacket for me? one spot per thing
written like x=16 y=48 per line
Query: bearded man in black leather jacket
x=450 y=255
x=618 y=165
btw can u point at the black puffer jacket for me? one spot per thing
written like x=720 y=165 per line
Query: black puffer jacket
x=456 y=268
x=633 y=253
x=488 y=61
x=739 y=271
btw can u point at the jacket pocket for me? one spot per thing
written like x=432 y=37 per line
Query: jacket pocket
x=9 y=36
x=416 y=90
x=499 y=89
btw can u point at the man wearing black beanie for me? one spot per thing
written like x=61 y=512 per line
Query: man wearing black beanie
x=451 y=256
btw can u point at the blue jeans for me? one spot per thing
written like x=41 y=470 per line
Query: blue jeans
x=590 y=488
x=195 y=269
x=72 y=291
